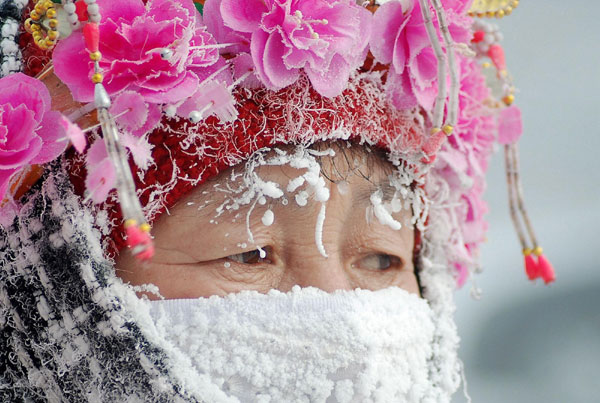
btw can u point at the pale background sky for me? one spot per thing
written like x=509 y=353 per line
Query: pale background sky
x=526 y=342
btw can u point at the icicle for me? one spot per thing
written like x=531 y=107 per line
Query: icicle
x=319 y=231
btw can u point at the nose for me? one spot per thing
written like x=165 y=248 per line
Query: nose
x=328 y=274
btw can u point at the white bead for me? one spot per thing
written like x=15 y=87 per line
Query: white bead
x=166 y=54
x=89 y=2
x=72 y=18
x=69 y=8
x=195 y=116
x=94 y=18
x=93 y=9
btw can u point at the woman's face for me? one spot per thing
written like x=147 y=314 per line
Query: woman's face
x=199 y=254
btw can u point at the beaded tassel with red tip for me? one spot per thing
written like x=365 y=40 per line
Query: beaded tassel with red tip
x=138 y=235
x=139 y=240
x=531 y=266
x=545 y=268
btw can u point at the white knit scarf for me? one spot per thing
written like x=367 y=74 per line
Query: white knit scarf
x=302 y=346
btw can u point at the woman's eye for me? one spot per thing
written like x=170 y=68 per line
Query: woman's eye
x=377 y=262
x=251 y=257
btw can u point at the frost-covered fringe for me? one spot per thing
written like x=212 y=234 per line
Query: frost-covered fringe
x=299 y=122
x=439 y=283
x=10 y=54
x=65 y=336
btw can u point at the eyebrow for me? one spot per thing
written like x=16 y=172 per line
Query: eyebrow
x=363 y=194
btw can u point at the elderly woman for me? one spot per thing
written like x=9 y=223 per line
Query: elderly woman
x=312 y=171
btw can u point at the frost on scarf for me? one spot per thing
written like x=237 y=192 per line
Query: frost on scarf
x=306 y=345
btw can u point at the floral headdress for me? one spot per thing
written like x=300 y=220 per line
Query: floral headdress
x=223 y=75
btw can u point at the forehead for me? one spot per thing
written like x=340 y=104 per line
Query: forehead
x=352 y=170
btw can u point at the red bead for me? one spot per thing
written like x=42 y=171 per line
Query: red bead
x=81 y=10
x=478 y=36
x=92 y=36
x=546 y=269
x=496 y=53
x=531 y=267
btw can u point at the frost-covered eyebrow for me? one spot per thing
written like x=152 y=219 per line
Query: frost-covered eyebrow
x=363 y=195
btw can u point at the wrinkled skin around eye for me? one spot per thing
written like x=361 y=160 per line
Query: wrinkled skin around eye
x=199 y=254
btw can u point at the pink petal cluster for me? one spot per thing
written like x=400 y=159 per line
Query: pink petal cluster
x=463 y=161
x=400 y=39
x=30 y=133
x=157 y=49
x=325 y=38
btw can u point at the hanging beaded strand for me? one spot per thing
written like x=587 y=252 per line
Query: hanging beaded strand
x=137 y=229
x=485 y=40
x=440 y=129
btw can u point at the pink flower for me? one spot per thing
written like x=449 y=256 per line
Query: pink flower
x=30 y=132
x=157 y=50
x=326 y=38
x=400 y=38
x=463 y=161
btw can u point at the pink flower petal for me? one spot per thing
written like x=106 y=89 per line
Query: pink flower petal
x=510 y=125
x=388 y=21
x=154 y=117
x=257 y=50
x=74 y=133
x=132 y=109
x=50 y=132
x=101 y=176
x=183 y=89
x=221 y=32
x=20 y=89
x=140 y=149
x=243 y=64
x=399 y=89
x=332 y=82
x=20 y=126
x=71 y=66
x=123 y=9
x=274 y=65
x=242 y=15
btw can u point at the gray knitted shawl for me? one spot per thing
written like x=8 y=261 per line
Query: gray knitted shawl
x=63 y=336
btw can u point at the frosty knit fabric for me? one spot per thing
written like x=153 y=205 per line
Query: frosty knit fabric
x=305 y=345
x=65 y=338
x=10 y=21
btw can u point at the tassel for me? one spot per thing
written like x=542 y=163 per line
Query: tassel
x=545 y=268
x=139 y=240
x=531 y=266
